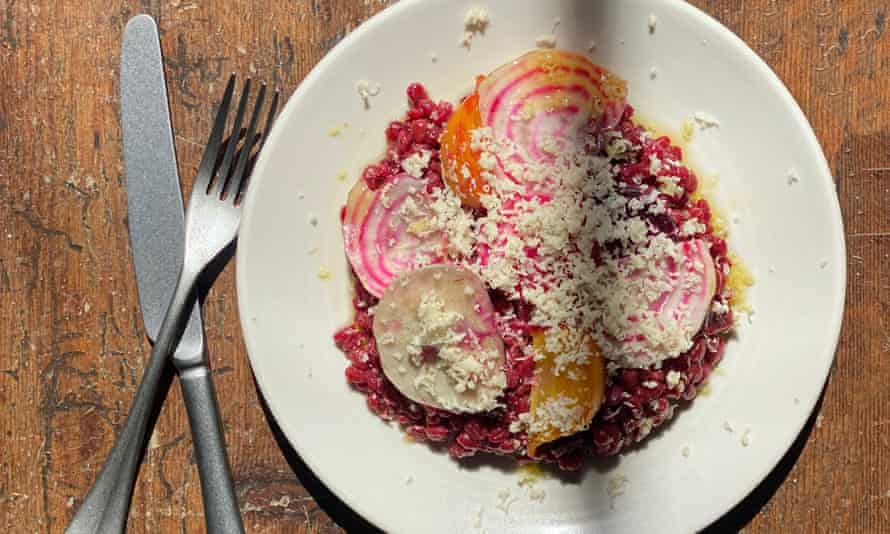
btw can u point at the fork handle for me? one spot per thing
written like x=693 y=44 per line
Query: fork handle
x=106 y=505
x=220 y=504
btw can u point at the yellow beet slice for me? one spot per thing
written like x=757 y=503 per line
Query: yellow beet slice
x=566 y=394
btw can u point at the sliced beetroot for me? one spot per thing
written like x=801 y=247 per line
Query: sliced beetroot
x=438 y=342
x=672 y=316
x=388 y=230
x=544 y=102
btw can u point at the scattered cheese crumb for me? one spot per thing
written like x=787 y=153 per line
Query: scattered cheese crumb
x=823 y=264
x=409 y=479
x=476 y=22
x=653 y=20
x=546 y=41
x=796 y=400
x=685 y=452
x=477 y=521
x=537 y=494
x=617 y=485
x=505 y=500
x=727 y=426
x=772 y=268
x=434 y=58
x=793 y=177
x=313 y=220
x=746 y=438
x=312 y=251
x=819 y=419
x=672 y=379
x=324 y=273
x=341 y=176
x=367 y=90
x=687 y=130
x=653 y=73
x=337 y=130
x=591 y=47
x=705 y=121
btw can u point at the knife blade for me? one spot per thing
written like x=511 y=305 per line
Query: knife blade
x=154 y=198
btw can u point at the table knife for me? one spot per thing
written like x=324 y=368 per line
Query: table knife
x=156 y=225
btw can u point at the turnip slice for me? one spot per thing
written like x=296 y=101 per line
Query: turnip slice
x=389 y=231
x=545 y=102
x=438 y=342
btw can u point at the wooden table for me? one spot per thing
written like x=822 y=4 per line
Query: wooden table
x=71 y=341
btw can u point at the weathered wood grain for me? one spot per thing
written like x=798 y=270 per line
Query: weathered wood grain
x=71 y=340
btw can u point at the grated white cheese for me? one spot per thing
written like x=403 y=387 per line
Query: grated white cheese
x=653 y=73
x=686 y=452
x=692 y=227
x=672 y=379
x=476 y=21
x=367 y=90
x=477 y=520
x=324 y=273
x=561 y=413
x=652 y=21
x=792 y=176
x=505 y=500
x=546 y=41
x=727 y=426
x=705 y=121
x=417 y=163
x=617 y=485
x=746 y=438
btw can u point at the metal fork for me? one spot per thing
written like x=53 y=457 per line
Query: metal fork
x=211 y=224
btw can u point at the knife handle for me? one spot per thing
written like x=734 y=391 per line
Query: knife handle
x=220 y=504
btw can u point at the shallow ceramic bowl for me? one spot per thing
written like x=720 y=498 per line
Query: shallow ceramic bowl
x=788 y=232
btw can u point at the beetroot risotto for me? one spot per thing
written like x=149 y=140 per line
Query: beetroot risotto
x=536 y=274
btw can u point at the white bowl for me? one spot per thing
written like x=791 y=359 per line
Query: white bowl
x=789 y=234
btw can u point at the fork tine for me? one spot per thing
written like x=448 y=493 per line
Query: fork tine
x=270 y=118
x=226 y=165
x=208 y=161
x=238 y=176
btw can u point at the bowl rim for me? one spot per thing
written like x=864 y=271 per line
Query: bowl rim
x=698 y=16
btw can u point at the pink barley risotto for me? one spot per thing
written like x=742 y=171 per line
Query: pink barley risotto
x=536 y=274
